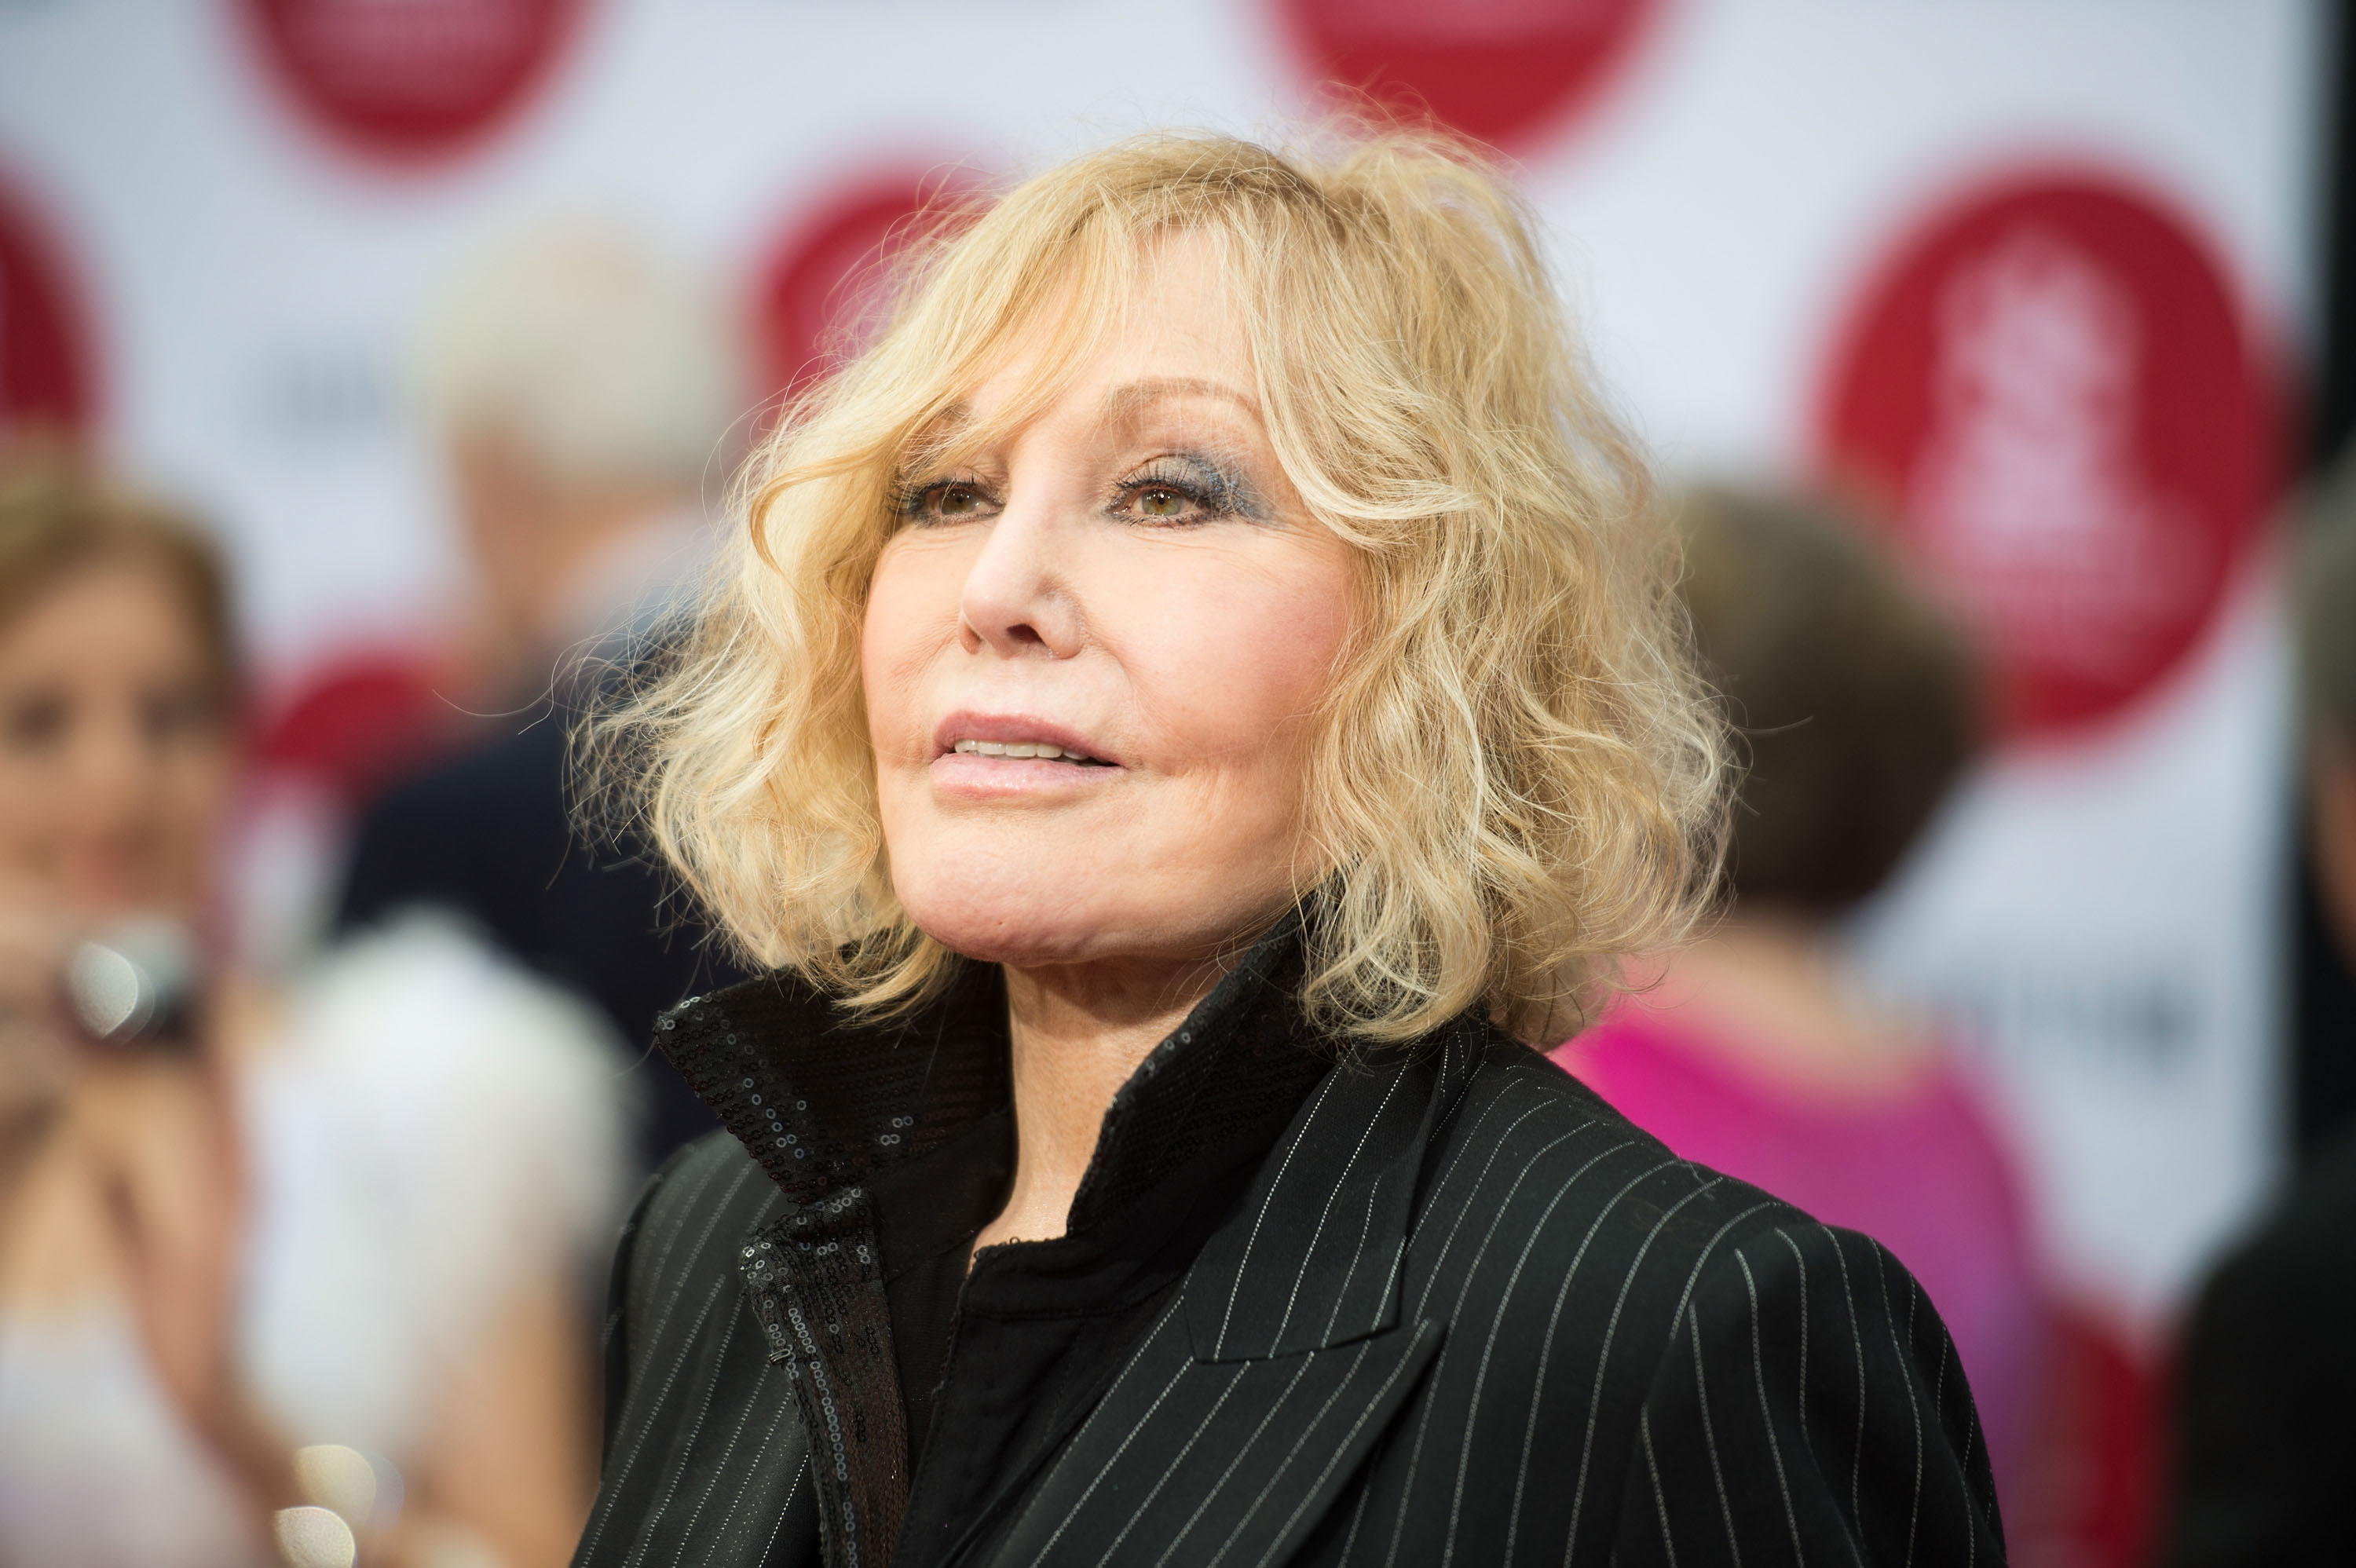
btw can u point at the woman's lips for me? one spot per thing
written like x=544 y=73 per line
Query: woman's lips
x=1044 y=750
x=1004 y=737
x=987 y=756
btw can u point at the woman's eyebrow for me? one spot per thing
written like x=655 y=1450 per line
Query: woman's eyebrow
x=937 y=436
x=1131 y=399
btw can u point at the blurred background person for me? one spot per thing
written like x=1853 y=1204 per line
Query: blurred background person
x=2266 y=1412
x=1755 y=1050
x=355 y=1211
x=580 y=393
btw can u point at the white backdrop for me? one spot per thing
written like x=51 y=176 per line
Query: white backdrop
x=2098 y=910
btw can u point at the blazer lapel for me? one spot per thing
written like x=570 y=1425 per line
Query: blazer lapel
x=1216 y=1462
x=1262 y=1390
x=1312 y=1260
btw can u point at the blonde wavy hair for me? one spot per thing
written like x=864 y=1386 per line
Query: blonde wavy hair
x=1517 y=776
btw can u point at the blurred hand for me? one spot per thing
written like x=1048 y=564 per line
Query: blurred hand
x=155 y=1131
x=161 y=1134
x=37 y=1038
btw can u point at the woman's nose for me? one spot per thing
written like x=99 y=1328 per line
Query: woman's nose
x=1020 y=598
x=113 y=760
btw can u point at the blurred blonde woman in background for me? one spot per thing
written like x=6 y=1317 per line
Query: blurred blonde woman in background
x=318 y=1247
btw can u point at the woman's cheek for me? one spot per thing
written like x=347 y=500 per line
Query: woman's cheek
x=892 y=661
x=1267 y=648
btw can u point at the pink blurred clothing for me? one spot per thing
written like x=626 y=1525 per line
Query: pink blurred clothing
x=1921 y=1171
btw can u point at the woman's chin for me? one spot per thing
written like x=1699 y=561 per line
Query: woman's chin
x=1024 y=936
x=1015 y=932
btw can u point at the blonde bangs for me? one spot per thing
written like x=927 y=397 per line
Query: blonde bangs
x=1519 y=776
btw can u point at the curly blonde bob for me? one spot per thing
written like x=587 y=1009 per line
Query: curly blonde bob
x=1516 y=775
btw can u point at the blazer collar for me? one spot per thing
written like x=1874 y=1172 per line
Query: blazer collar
x=1314 y=1263
x=824 y=1101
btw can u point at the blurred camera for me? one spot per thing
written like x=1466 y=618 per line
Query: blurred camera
x=135 y=983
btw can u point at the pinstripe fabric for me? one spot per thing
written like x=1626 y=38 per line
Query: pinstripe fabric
x=1467 y=1313
x=705 y=1460
x=1586 y=1350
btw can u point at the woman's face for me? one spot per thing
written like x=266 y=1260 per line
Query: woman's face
x=115 y=759
x=1093 y=651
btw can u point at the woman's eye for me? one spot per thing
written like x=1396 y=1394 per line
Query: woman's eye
x=36 y=723
x=1157 y=502
x=1177 y=489
x=947 y=501
x=171 y=717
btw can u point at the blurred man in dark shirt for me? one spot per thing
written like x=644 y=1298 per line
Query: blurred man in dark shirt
x=2268 y=1416
x=580 y=395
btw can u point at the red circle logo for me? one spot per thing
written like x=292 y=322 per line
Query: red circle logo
x=412 y=79
x=45 y=381
x=825 y=280
x=1497 y=69
x=2050 y=393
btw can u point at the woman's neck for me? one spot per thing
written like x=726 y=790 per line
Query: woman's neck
x=1076 y=1032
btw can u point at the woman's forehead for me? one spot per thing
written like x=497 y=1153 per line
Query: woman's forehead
x=1172 y=338
x=1107 y=401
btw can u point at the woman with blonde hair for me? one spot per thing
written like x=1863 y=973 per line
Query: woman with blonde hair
x=1188 y=708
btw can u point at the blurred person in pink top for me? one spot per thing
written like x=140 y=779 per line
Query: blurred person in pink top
x=1755 y=1051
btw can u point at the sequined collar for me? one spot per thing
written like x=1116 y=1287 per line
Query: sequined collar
x=823 y=1100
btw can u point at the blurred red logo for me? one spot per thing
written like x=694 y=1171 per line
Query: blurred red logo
x=825 y=286
x=2049 y=393
x=1502 y=70
x=44 y=377
x=412 y=79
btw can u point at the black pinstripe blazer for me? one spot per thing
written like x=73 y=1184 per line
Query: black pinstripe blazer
x=1466 y=1314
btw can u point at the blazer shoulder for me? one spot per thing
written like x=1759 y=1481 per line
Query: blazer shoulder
x=1567 y=1131
x=1808 y=1354
x=694 y=1408
x=689 y=1223
x=1610 y=1309
x=1586 y=1196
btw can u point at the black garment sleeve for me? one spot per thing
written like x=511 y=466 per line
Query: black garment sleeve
x=617 y=1346
x=1809 y=1407
x=703 y=1460
x=2267 y=1412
